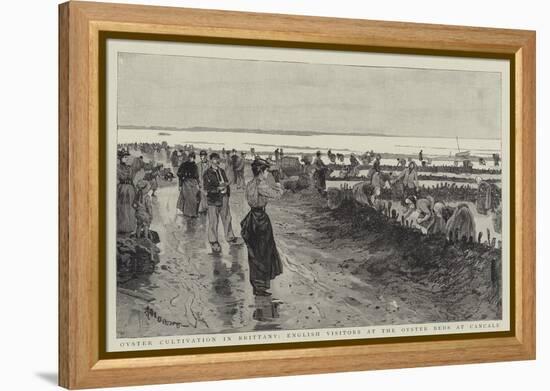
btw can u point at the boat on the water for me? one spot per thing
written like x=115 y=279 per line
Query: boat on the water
x=164 y=134
x=461 y=154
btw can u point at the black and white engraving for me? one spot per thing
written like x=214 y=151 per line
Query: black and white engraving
x=264 y=195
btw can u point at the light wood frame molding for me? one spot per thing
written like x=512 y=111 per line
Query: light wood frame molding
x=81 y=364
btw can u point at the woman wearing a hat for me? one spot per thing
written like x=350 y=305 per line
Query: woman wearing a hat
x=263 y=257
x=125 y=214
x=188 y=174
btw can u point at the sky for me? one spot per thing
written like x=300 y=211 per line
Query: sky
x=186 y=92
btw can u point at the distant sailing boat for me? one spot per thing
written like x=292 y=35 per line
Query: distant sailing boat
x=463 y=154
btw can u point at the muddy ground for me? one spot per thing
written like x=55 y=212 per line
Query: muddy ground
x=342 y=268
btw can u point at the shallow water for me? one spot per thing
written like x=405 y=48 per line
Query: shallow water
x=297 y=144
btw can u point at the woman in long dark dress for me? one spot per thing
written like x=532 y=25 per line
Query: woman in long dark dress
x=125 y=213
x=188 y=174
x=263 y=258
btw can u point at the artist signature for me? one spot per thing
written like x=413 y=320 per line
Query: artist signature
x=152 y=314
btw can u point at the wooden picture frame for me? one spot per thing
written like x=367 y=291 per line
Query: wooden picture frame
x=82 y=27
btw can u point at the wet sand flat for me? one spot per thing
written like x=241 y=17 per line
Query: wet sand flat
x=323 y=284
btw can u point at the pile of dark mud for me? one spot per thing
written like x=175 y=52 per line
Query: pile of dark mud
x=299 y=183
x=461 y=279
x=135 y=257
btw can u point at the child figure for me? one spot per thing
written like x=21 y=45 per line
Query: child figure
x=144 y=209
x=153 y=178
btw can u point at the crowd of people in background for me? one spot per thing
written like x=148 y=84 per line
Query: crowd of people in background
x=432 y=204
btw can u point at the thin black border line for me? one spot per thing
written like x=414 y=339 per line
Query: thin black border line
x=102 y=57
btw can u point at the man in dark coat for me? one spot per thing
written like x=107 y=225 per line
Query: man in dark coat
x=218 y=191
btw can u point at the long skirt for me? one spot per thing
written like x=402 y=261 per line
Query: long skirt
x=484 y=200
x=362 y=193
x=203 y=203
x=263 y=258
x=188 y=200
x=461 y=223
x=125 y=213
x=436 y=226
x=154 y=184
x=230 y=173
x=320 y=180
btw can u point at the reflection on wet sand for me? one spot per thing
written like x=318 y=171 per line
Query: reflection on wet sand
x=189 y=225
x=266 y=310
x=227 y=289
x=211 y=293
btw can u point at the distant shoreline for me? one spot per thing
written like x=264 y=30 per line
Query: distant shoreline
x=275 y=132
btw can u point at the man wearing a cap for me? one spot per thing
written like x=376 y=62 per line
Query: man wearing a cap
x=218 y=191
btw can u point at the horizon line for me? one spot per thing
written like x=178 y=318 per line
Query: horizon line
x=281 y=132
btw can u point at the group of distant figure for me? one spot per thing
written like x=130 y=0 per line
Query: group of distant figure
x=433 y=214
x=438 y=217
